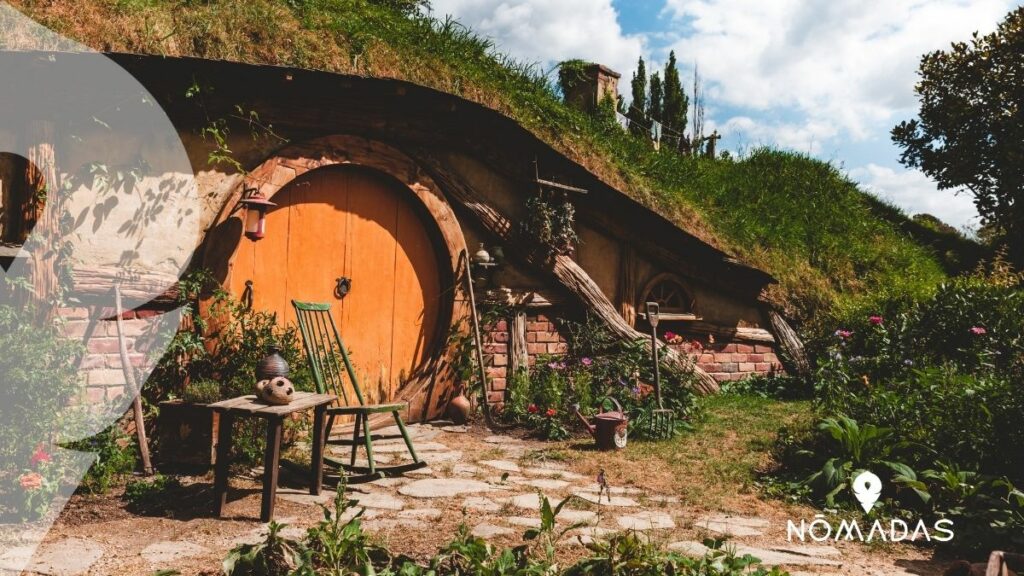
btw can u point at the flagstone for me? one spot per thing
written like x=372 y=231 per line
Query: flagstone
x=605 y=500
x=503 y=465
x=646 y=520
x=170 y=551
x=523 y=521
x=480 y=504
x=733 y=525
x=488 y=530
x=443 y=487
x=379 y=500
x=67 y=557
x=421 y=513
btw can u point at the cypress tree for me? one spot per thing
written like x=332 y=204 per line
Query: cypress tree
x=637 y=114
x=655 y=101
x=675 y=102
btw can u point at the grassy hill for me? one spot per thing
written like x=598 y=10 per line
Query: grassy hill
x=798 y=218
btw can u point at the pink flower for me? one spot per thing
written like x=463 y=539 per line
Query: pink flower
x=532 y=409
x=978 y=330
x=40 y=455
x=876 y=320
x=31 y=481
x=844 y=334
x=551 y=412
x=670 y=336
x=586 y=361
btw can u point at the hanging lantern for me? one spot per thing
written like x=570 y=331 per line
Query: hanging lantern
x=256 y=206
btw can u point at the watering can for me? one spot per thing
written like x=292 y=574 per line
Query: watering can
x=609 y=427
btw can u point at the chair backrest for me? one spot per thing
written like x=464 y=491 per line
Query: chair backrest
x=324 y=347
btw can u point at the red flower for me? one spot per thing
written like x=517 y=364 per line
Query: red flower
x=532 y=409
x=31 y=481
x=978 y=330
x=551 y=412
x=876 y=320
x=844 y=334
x=670 y=335
x=697 y=345
x=40 y=455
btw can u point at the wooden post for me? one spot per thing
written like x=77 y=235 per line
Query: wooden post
x=627 y=284
x=562 y=268
x=794 y=356
x=131 y=385
x=518 y=357
x=41 y=176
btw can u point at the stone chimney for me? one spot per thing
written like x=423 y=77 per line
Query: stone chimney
x=586 y=84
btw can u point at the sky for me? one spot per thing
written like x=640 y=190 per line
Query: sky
x=826 y=77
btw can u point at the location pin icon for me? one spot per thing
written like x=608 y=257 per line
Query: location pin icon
x=867 y=487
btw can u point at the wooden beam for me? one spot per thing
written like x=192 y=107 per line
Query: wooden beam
x=561 y=268
x=794 y=356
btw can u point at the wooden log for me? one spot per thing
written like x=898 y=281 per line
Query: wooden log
x=562 y=268
x=794 y=356
x=138 y=287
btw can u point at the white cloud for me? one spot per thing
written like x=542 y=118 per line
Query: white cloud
x=850 y=64
x=549 y=31
x=916 y=193
x=745 y=132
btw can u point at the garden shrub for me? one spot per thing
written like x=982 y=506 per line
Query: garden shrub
x=597 y=366
x=927 y=394
x=215 y=356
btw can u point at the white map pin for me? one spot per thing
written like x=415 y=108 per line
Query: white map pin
x=867 y=487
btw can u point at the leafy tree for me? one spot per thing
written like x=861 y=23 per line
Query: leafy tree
x=657 y=93
x=638 y=121
x=674 y=103
x=970 y=131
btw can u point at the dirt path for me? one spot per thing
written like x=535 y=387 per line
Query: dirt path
x=488 y=482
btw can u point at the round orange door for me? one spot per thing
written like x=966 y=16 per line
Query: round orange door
x=348 y=222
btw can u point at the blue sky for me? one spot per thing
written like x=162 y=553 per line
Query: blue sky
x=829 y=78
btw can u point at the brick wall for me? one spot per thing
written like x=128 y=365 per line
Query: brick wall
x=723 y=360
x=101 y=365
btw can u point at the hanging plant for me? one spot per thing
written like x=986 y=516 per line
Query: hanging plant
x=551 y=224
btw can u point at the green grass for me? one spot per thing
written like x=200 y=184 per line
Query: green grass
x=714 y=465
x=798 y=218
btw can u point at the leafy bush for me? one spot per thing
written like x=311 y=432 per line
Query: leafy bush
x=596 y=367
x=115 y=458
x=215 y=356
x=927 y=394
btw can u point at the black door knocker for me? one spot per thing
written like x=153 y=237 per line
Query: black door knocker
x=342 y=288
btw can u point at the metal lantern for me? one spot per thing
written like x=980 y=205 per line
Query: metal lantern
x=256 y=206
x=484 y=265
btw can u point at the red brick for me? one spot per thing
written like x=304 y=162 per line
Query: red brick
x=763 y=348
x=728 y=348
x=723 y=358
x=497 y=384
x=720 y=377
x=496 y=372
x=95 y=394
x=495 y=397
x=496 y=348
x=755 y=358
x=709 y=367
x=705 y=358
x=105 y=345
x=739 y=357
x=92 y=361
x=762 y=367
x=536 y=326
x=533 y=348
x=728 y=367
x=746 y=367
x=547 y=337
x=744 y=348
x=531 y=336
x=73 y=313
x=499 y=360
x=558 y=348
x=501 y=325
x=114 y=391
x=75 y=328
x=500 y=337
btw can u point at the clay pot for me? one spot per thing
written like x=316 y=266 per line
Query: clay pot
x=279 y=391
x=459 y=407
x=272 y=365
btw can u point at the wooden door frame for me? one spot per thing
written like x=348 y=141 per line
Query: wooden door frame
x=428 y=391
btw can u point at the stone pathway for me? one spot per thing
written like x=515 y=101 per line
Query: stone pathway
x=497 y=494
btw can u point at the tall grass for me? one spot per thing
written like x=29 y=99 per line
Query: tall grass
x=796 y=217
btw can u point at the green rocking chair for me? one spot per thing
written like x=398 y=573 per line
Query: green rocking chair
x=324 y=347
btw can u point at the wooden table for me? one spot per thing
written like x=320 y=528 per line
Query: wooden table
x=249 y=406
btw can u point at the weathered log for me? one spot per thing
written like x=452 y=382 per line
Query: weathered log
x=136 y=286
x=794 y=356
x=563 y=268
